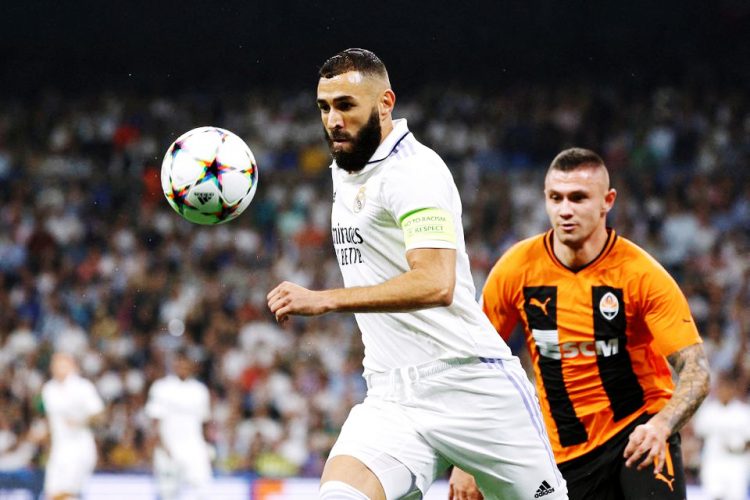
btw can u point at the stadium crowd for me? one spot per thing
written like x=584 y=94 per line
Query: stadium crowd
x=93 y=260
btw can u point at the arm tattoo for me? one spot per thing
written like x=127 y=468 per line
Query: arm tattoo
x=692 y=370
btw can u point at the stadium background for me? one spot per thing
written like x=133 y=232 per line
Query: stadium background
x=93 y=260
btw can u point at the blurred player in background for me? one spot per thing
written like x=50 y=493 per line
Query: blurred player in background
x=603 y=323
x=71 y=404
x=180 y=407
x=433 y=362
x=724 y=424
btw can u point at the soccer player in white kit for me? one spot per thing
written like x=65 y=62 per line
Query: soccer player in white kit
x=443 y=388
x=724 y=424
x=180 y=406
x=71 y=403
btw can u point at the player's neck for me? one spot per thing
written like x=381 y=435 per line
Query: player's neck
x=386 y=128
x=578 y=256
x=62 y=378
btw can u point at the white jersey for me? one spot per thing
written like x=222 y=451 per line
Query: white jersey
x=181 y=407
x=725 y=463
x=404 y=176
x=725 y=430
x=69 y=405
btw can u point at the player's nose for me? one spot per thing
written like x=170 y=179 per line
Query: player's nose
x=334 y=120
x=565 y=209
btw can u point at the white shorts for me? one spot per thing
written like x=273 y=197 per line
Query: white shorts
x=189 y=469
x=68 y=470
x=478 y=414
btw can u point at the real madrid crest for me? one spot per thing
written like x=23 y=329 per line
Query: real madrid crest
x=359 y=200
x=609 y=306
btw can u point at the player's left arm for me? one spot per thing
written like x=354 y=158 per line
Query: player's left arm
x=429 y=282
x=667 y=314
x=420 y=198
x=648 y=442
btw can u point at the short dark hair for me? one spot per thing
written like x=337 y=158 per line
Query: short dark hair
x=572 y=158
x=361 y=60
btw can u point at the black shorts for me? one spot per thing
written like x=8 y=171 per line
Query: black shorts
x=601 y=474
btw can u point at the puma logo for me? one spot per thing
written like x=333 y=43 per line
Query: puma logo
x=541 y=305
x=662 y=477
x=669 y=471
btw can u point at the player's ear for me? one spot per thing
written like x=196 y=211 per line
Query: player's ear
x=386 y=103
x=609 y=199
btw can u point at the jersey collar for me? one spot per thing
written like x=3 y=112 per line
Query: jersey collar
x=386 y=148
x=549 y=247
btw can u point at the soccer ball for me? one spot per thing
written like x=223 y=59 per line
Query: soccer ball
x=209 y=175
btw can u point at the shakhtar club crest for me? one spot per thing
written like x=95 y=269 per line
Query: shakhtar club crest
x=609 y=306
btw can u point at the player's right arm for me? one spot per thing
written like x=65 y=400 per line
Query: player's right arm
x=497 y=295
x=155 y=411
x=153 y=439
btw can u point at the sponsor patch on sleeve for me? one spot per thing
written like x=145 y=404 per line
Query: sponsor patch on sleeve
x=428 y=224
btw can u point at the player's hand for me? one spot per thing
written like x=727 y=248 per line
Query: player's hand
x=288 y=298
x=647 y=444
x=462 y=486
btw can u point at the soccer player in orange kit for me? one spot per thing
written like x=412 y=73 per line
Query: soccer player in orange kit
x=603 y=323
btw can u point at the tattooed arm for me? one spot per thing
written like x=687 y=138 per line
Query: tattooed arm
x=691 y=366
x=648 y=442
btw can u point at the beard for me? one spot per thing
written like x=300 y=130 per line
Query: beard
x=363 y=144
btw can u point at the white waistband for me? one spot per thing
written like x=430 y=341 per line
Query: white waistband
x=413 y=373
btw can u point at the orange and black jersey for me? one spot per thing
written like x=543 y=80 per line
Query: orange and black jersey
x=598 y=336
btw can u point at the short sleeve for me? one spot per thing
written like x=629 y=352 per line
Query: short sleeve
x=154 y=407
x=497 y=300
x=413 y=187
x=666 y=312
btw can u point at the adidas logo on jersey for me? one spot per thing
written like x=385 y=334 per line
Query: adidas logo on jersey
x=544 y=489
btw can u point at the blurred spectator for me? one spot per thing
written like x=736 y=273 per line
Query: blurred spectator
x=723 y=422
